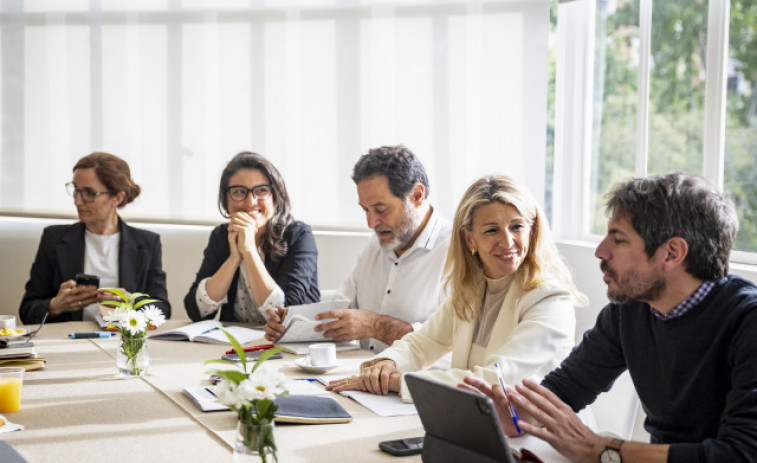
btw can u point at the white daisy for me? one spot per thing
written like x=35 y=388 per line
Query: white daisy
x=118 y=315
x=154 y=315
x=263 y=384
x=228 y=394
x=135 y=323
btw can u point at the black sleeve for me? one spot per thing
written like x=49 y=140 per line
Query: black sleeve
x=593 y=366
x=297 y=272
x=156 y=278
x=216 y=252
x=43 y=284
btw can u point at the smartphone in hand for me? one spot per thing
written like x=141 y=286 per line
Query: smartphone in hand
x=82 y=279
x=402 y=447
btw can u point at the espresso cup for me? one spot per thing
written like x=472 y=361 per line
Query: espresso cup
x=7 y=321
x=322 y=354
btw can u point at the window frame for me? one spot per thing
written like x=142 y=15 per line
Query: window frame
x=574 y=89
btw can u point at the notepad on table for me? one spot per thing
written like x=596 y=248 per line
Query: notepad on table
x=299 y=321
x=312 y=407
x=209 y=331
x=382 y=405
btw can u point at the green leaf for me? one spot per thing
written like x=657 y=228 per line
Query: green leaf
x=117 y=292
x=232 y=375
x=238 y=349
x=264 y=356
x=143 y=302
x=114 y=304
x=223 y=361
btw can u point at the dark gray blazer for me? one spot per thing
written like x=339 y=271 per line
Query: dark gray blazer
x=61 y=256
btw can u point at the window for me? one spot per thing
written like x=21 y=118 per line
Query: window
x=657 y=74
x=178 y=87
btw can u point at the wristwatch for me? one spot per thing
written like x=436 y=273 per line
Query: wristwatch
x=611 y=453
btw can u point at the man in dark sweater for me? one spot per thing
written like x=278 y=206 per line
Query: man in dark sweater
x=685 y=330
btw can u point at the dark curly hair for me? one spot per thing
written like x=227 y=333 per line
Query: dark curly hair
x=401 y=167
x=684 y=205
x=273 y=242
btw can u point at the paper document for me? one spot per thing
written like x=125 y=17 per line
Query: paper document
x=210 y=331
x=300 y=322
x=382 y=405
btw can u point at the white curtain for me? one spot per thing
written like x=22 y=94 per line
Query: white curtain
x=178 y=87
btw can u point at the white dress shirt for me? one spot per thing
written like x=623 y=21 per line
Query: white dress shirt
x=408 y=287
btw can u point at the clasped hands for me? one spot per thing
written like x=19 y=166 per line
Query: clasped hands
x=542 y=414
x=377 y=377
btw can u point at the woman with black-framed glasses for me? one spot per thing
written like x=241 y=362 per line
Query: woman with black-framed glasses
x=262 y=258
x=100 y=244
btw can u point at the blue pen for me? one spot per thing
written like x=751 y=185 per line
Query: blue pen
x=306 y=379
x=513 y=413
x=97 y=334
x=208 y=331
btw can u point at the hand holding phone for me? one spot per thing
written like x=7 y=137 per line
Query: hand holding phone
x=402 y=447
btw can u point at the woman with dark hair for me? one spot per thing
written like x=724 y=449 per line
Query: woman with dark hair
x=262 y=258
x=99 y=244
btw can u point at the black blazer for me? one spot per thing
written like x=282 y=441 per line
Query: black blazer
x=61 y=256
x=296 y=273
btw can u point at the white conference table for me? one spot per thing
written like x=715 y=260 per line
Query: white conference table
x=77 y=409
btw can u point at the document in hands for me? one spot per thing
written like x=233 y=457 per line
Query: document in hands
x=299 y=321
x=209 y=331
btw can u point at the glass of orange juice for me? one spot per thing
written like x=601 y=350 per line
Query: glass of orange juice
x=11 y=379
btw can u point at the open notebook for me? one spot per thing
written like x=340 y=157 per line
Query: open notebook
x=209 y=331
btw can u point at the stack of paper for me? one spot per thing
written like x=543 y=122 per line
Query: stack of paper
x=382 y=405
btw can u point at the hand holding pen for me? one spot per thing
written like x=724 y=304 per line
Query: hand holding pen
x=513 y=413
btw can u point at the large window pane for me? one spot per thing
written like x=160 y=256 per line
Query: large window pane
x=741 y=122
x=676 y=99
x=615 y=95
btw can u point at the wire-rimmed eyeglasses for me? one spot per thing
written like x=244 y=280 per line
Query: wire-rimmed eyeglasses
x=87 y=194
x=240 y=192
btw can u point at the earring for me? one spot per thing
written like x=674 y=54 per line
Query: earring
x=472 y=252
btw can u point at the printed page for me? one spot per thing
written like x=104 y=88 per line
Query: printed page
x=300 y=321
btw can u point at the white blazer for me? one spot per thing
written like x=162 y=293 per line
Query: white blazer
x=533 y=333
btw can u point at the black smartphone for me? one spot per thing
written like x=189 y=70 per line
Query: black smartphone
x=402 y=447
x=82 y=279
x=251 y=356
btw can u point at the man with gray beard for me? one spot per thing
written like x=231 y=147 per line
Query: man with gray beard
x=397 y=280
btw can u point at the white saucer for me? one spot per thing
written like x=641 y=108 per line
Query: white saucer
x=15 y=336
x=304 y=363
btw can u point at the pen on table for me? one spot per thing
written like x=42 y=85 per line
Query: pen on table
x=513 y=413
x=306 y=379
x=96 y=334
x=254 y=348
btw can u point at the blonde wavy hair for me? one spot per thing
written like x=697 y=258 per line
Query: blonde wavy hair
x=464 y=272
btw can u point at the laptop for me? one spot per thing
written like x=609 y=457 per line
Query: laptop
x=460 y=425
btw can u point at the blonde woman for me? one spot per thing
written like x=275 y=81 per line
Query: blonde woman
x=511 y=299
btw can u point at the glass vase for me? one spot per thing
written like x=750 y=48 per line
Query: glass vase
x=255 y=443
x=132 y=358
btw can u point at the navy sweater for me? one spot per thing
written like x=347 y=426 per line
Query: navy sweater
x=696 y=375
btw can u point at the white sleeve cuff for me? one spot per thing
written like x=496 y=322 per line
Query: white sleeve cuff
x=275 y=299
x=205 y=304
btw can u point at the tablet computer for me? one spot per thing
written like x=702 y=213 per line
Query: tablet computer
x=460 y=425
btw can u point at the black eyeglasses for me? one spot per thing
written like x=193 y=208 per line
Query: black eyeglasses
x=87 y=194
x=240 y=193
